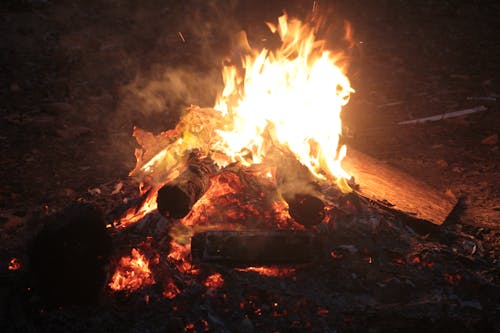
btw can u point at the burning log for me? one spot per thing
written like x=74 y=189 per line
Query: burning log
x=397 y=190
x=306 y=209
x=69 y=255
x=248 y=248
x=300 y=191
x=176 y=198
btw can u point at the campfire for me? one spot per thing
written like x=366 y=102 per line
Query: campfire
x=255 y=163
x=254 y=180
x=284 y=103
x=261 y=187
x=332 y=170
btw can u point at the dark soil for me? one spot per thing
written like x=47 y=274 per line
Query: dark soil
x=78 y=75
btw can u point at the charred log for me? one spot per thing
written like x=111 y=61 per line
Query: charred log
x=176 y=198
x=300 y=191
x=247 y=248
x=68 y=256
x=306 y=209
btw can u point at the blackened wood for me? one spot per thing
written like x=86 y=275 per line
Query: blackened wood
x=300 y=191
x=306 y=209
x=68 y=257
x=247 y=248
x=397 y=190
x=176 y=198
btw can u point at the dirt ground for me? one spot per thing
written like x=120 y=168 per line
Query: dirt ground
x=78 y=75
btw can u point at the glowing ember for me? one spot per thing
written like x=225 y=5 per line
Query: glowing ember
x=452 y=279
x=269 y=271
x=132 y=273
x=14 y=264
x=178 y=256
x=242 y=204
x=170 y=290
x=214 y=281
x=322 y=312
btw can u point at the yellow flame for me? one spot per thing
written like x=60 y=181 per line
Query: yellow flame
x=292 y=97
x=132 y=273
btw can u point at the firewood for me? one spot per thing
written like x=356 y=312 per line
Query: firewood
x=397 y=190
x=306 y=209
x=247 y=248
x=175 y=199
x=300 y=191
x=69 y=255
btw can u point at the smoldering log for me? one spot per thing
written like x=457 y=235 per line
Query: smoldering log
x=176 y=198
x=397 y=190
x=247 y=248
x=306 y=209
x=300 y=191
x=68 y=257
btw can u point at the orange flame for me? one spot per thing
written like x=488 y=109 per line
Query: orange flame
x=295 y=95
x=133 y=214
x=132 y=273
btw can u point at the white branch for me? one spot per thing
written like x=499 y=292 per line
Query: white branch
x=445 y=115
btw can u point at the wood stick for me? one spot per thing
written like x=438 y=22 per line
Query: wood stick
x=397 y=190
x=250 y=248
x=445 y=115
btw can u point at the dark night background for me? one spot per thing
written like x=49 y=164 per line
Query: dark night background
x=78 y=75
